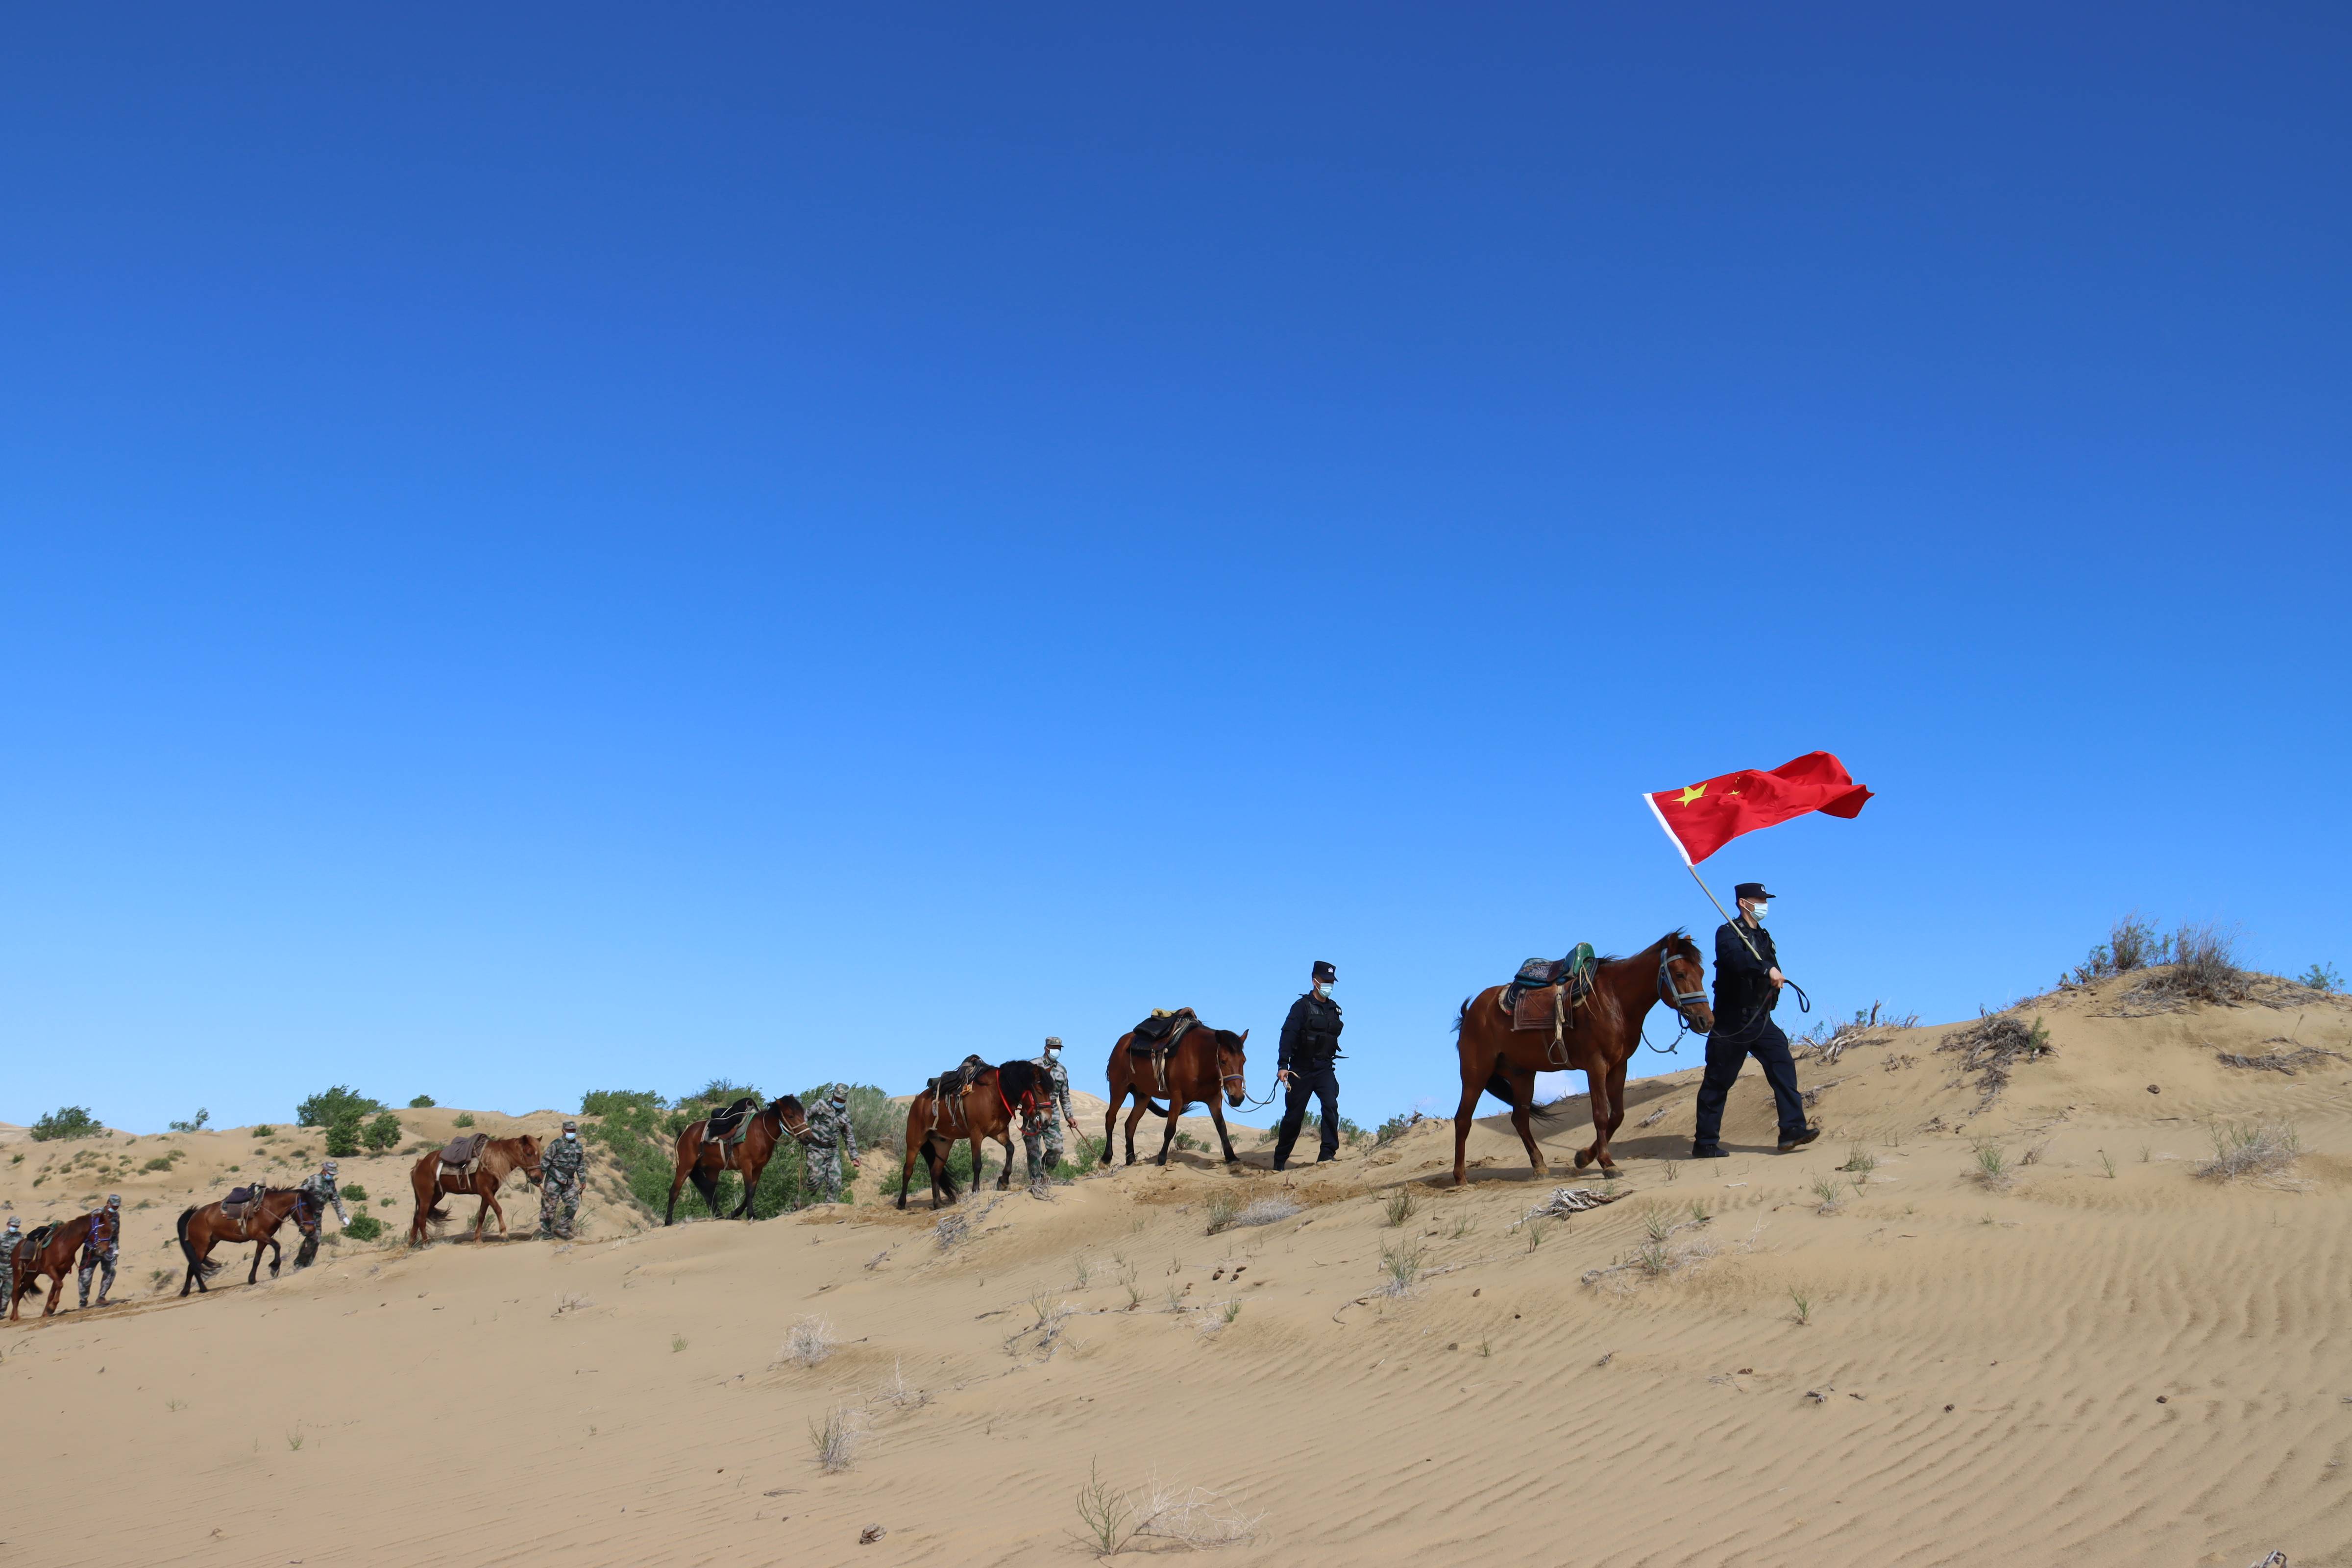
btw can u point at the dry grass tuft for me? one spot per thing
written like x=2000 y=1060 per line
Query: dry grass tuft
x=1193 y=1516
x=1400 y=1206
x=1992 y=1170
x=1401 y=1264
x=1991 y=1047
x=2285 y=1062
x=897 y=1393
x=1267 y=1211
x=836 y=1438
x=2258 y=1149
x=808 y=1343
x=1224 y=1208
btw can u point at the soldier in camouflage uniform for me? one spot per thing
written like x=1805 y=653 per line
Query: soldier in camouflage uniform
x=102 y=1249
x=560 y=1181
x=1045 y=1127
x=831 y=1141
x=322 y=1194
x=10 y=1241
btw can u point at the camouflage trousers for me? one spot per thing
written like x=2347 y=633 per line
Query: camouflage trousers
x=559 y=1205
x=825 y=1175
x=90 y=1263
x=1045 y=1131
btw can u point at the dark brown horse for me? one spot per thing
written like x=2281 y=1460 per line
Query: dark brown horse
x=1206 y=1064
x=704 y=1160
x=984 y=1109
x=205 y=1227
x=501 y=1157
x=55 y=1259
x=1499 y=1060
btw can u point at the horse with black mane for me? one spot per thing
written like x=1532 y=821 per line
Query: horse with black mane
x=744 y=1141
x=984 y=1107
x=259 y=1213
x=1203 y=1065
x=48 y=1250
x=492 y=1160
x=1597 y=1037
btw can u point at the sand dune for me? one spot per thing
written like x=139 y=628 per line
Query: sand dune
x=2102 y=1359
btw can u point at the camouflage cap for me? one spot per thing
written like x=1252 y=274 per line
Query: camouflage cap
x=572 y=1127
x=838 y=1091
x=114 y=1200
x=15 y=1223
x=1052 y=1042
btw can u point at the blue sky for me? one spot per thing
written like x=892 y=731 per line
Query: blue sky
x=574 y=547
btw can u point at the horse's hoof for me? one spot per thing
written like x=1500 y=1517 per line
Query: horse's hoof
x=1583 y=1158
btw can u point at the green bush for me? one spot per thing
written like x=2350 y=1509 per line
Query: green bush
x=67 y=1121
x=638 y=1130
x=421 y=1102
x=465 y=1119
x=382 y=1134
x=355 y=1191
x=2321 y=977
x=364 y=1227
x=265 y=1130
x=194 y=1124
x=615 y=1101
x=343 y=1135
x=322 y=1109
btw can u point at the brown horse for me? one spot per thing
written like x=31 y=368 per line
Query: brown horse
x=1206 y=1063
x=1499 y=1060
x=55 y=1259
x=204 y=1228
x=501 y=1157
x=704 y=1160
x=984 y=1109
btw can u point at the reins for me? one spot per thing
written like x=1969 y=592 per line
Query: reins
x=1673 y=998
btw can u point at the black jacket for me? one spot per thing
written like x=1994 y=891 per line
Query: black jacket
x=1310 y=1036
x=1743 y=986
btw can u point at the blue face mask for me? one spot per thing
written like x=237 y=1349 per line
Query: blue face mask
x=1756 y=912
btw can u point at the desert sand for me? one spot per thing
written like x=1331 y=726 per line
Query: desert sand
x=2099 y=1357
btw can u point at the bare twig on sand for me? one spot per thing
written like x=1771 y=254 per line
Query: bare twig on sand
x=1568 y=1200
x=2279 y=1061
x=1196 y=1517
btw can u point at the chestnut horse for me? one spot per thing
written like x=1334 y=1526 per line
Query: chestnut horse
x=704 y=1160
x=1205 y=1063
x=205 y=1227
x=985 y=1110
x=56 y=1259
x=1499 y=1060
x=501 y=1157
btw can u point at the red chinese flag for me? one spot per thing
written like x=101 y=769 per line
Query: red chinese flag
x=1703 y=817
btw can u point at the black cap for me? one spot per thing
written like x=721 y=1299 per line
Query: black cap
x=1751 y=890
x=1324 y=973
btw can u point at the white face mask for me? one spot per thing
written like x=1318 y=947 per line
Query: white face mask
x=571 y=1137
x=1756 y=913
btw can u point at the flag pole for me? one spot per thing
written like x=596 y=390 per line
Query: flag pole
x=1650 y=801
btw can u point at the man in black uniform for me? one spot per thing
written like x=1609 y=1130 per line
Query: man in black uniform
x=1310 y=1044
x=1748 y=981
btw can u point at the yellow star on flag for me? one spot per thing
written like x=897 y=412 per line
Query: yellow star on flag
x=1692 y=793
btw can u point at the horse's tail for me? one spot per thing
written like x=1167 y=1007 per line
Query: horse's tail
x=1463 y=1016
x=187 y=1247
x=1156 y=1108
x=1500 y=1088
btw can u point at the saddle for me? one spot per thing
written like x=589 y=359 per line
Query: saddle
x=38 y=1238
x=1546 y=993
x=731 y=1125
x=1157 y=1037
x=463 y=1156
x=240 y=1202
x=947 y=1090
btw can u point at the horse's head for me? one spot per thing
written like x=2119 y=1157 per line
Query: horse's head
x=791 y=1118
x=1018 y=1082
x=527 y=1156
x=1232 y=1062
x=1682 y=981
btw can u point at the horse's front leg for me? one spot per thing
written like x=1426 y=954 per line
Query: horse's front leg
x=1132 y=1118
x=1110 y=1127
x=1217 y=1115
x=1004 y=1181
x=1523 y=1110
x=1604 y=1119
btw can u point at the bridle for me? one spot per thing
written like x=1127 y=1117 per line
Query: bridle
x=1248 y=1103
x=1678 y=999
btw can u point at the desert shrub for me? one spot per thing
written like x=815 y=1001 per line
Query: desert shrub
x=1400 y=1206
x=2321 y=977
x=619 y=1102
x=194 y=1124
x=343 y=1135
x=1991 y=1047
x=265 y=1130
x=465 y=1119
x=1223 y=1208
x=364 y=1227
x=1266 y=1211
x=161 y=1162
x=2259 y=1149
x=322 y=1109
x=2132 y=943
x=1396 y=1127
x=1080 y=1155
x=382 y=1133
x=67 y=1121
x=808 y=1343
x=355 y=1191
x=421 y=1102
x=837 y=1439
x=2204 y=966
